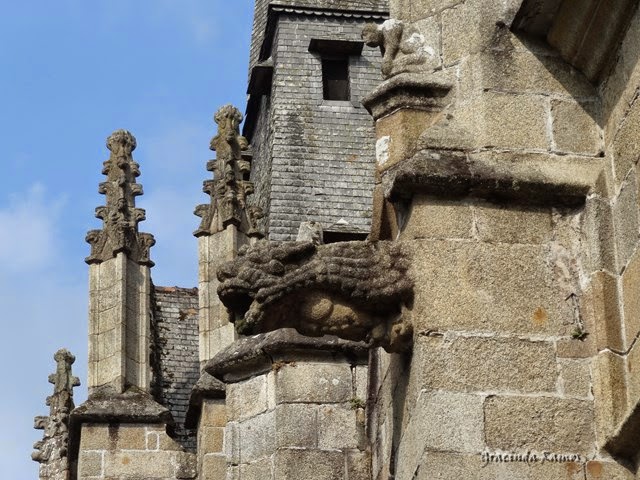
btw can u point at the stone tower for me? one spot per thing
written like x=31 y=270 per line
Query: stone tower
x=312 y=141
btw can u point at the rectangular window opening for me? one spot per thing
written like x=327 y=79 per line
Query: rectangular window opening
x=335 y=78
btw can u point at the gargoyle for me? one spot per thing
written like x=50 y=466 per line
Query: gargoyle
x=354 y=290
x=403 y=47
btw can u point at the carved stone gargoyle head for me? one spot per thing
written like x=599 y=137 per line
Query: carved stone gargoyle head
x=354 y=290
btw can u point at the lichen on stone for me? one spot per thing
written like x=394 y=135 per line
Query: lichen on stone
x=355 y=290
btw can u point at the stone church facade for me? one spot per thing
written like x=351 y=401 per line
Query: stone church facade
x=419 y=261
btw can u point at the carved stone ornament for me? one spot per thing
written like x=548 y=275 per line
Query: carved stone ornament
x=354 y=290
x=52 y=451
x=403 y=47
x=229 y=188
x=120 y=216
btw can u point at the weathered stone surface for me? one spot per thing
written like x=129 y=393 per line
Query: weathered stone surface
x=90 y=464
x=405 y=47
x=120 y=215
x=435 y=218
x=132 y=406
x=52 y=452
x=130 y=464
x=624 y=148
x=441 y=421
x=585 y=34
x=527 y=177
x=409 y=91
x=229 y=190
x=499 y=223
x=214 y=413
x=296 y=464
x=207 y=387
x=631 y=300
x=511 y=121
x=601 y=311
x=487 y=288
x=337 y=427
x=576 y=379
x=458 y=39
x=398 y=135
x=259 y=470
x=238 y=407
x=623 y=443
x=575 y=127
x=296 y=426
x=355 y=290
x=214 y=467
x=539 y=423
x=445 y=466
x=256 y=437
x=451 y=363
x=126 y=436
x=598 y=229
x=626 y=222
x=529 y=70
x=358 y=465
x=317 y=383
x=600 y=470
x=211 y=439
x=610 y=392
x=633 y=378
x=252 y=355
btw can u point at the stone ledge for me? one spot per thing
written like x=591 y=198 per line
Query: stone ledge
x=529 y=178
x=132 y=406
x=415 y=91
x=250 y=356
x=107 y=406
x=206 y=387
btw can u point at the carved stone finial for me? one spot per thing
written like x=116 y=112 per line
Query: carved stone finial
x=52 y=451
x=403 y=47
x=355 y=290
x=120 y=216
x=229 y=188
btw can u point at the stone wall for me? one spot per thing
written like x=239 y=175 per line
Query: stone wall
x=619 y=354
x=305 y=420
x=178 y=368
x=525 y=321
x=132 y=451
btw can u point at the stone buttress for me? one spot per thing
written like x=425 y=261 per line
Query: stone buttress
x=122 y=431
x=119 y=279
x=228 y=222
x=52 y=452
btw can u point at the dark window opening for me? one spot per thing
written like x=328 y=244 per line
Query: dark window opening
x=335 y=78
x=334 y=237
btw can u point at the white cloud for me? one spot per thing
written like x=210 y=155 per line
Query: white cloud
x=44 y=308
x=198 y=16
x=27 y=230
x=171 y=221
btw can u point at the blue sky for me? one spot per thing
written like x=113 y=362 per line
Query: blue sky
x=71 y=72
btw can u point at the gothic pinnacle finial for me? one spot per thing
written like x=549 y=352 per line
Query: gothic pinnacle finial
x=52 y=451
x=229 y=188
x=120 y=216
